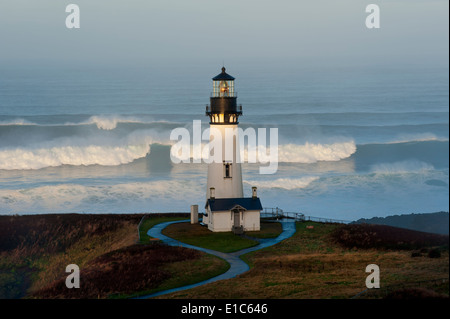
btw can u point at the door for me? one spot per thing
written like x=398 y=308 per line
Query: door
x=237 y=219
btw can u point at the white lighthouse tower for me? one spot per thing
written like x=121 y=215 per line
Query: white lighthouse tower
x=226 y=207
x=224 y=177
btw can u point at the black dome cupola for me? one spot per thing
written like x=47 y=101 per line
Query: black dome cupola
x=223 y=108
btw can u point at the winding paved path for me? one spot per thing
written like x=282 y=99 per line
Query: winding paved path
x=237 y=265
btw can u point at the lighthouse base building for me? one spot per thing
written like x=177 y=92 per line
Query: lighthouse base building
x=232 y=214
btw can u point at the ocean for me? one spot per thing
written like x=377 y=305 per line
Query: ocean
x=354 y=142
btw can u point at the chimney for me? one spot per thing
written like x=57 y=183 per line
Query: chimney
x=254 y=194
x=212 y=193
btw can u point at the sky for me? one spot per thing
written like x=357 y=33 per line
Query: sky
x=198 y=32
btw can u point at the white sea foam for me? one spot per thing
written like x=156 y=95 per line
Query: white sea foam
x=118 y=198
x=109 y=122
x=70 y=155
x=77 y=151
x=423 y=137
x=110 y=151
x=312 y=153
x=401 y=167
x=287 y=153
x=17 y=121
x=284 y=183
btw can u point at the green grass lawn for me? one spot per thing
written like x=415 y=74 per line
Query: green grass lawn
x=267 y=230
x=201 y=236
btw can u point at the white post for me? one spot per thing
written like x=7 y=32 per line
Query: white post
x=194 y=214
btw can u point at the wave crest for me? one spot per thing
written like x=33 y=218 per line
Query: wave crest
x=71 y=155
x=287 y=153
x=312 y=153
x=284 y=183
x=109 y=122
x=16 y=121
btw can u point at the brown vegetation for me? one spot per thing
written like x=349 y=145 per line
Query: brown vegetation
x=415 y=293
x=124 y=271
x=312 y=265
x=34 y=249
x=368 y=236
x=53 y=233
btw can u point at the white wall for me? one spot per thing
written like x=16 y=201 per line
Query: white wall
x=252 y=220
x=225 y=187
x=205 y=219
x=220 y=221
x=224 y=220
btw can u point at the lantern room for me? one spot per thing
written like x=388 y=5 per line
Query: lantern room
x=223 y=85
x=223 y=108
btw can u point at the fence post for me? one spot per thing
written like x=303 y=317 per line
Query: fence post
x=139 y=227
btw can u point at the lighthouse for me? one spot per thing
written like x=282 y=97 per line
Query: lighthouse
x=224 y=177
x=226 y=208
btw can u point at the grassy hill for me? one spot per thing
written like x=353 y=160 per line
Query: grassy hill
x=320 y=261
x=437 y=223
x=329 y=260
x=35 y=250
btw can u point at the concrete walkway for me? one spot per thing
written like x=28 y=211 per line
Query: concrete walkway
x=237 y=265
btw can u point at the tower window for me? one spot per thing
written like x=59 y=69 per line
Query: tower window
x=227 y=170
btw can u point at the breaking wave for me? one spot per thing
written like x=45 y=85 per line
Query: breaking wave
x=312 y=153
x=135 y=146
x=111 y=152
x=110 y=122
x=71 y=155
x=284 y=183
x=106 y=151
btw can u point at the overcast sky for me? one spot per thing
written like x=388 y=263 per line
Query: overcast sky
x=194 y=32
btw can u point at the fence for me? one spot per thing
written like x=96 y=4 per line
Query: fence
x=278 y=213
x=139 y=227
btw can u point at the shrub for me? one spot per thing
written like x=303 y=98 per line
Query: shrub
x=368 y=236
x=434 y=253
